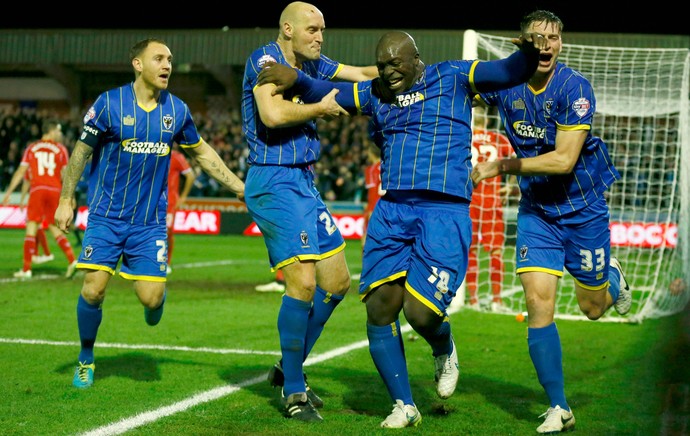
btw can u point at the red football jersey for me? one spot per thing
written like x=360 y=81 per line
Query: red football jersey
x=372 y=182
x=488 y=146
x=178 y=165
x=46 y=160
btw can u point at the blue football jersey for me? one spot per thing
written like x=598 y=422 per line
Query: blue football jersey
x=296 y=145
x=425 y=134
x=132 y=153
x=533 y=117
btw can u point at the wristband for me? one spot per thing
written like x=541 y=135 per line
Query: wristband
x=509 y=166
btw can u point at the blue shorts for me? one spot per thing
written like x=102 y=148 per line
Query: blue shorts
x=579 y=242
x=423 y=238
x=288 y=209
x=143 y=249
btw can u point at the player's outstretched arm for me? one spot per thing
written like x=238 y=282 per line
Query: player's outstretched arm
x=513 y=70
x=213 y=165
x=17 y=177
x=311 y=90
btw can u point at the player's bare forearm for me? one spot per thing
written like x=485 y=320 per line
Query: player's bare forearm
x=64 y=214
x=74 y=169
x=213 y=165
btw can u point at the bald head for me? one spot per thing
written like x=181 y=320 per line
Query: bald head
x=396 y=44
x=297 y=12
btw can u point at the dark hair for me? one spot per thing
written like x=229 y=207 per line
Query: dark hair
x=140 y=46
x=48 y=125
x=540 y=16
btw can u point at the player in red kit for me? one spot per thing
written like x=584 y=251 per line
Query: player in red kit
x=44 y=160
x=486 y=210
x=372 y=183
x=178 y=166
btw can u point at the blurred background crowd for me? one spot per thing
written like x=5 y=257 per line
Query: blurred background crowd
x=340 y=171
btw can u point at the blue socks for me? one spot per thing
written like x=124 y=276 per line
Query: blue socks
x=545 y=350
x=324 y=305
x=443 y=332
x=293 y=318
x=387 y=350
x=614 y=283
x=88 y=319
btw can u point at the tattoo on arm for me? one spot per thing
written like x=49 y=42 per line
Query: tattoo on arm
x=74 y=169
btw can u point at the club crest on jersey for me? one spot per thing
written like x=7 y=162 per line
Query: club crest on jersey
x=128 y=120
x=406 y=100
x=265 y=58
x=548 y=105
x=88 y=252
x=304 y=238
x=581 y=106
x=523 y=252
x=167 y=122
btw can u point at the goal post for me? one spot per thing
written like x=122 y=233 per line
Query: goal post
x=643 y=116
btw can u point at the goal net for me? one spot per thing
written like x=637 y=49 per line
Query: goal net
x=642 y=114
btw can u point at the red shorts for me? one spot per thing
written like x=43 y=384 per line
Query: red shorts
x=42 y=205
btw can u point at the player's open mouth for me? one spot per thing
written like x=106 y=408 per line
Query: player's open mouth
x=394 y=83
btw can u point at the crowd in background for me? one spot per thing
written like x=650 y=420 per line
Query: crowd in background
x=339 y=172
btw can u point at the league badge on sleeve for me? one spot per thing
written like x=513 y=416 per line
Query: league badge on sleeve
x=581 y=106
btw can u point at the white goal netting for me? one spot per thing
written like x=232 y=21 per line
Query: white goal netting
x=642 y=114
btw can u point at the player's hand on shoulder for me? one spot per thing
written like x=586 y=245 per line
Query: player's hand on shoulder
x=281 y=75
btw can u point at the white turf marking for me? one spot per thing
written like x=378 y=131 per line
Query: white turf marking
x=217 y=263
x=141 y=347
x=144 y=418
x=35 y=277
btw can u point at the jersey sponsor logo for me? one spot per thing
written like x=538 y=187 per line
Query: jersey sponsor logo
x=265 y=58
x=91 y=130
x=581 y=106
x=405 y=100
x=525 y=130
x=145 y=147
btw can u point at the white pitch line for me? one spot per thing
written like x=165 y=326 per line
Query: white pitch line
x=143 y=418
x=141 y=347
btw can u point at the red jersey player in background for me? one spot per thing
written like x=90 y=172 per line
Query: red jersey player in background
x=176 y=198
x=486 y=210
x=44 y=160
x=372 y=182
x=41 y=241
